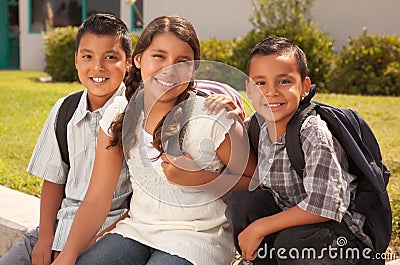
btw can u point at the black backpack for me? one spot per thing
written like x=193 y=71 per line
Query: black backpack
x=65 y=112
x=365 y=161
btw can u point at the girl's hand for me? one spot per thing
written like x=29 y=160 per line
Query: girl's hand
x=215 y=102
x=177 y=169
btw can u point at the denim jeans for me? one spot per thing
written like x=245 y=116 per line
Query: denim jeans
x=244 y=207
x=116 y=249
x=21 y=252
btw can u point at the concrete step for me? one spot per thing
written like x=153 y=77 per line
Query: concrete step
x=19 y=213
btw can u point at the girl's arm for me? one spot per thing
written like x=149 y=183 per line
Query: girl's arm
x=234 y=152
x=96 y=205
x=251 y=237
x=108 y=229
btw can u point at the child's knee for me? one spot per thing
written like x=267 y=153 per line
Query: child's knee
x=304 y=237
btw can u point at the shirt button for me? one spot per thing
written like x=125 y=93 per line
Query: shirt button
x=270 y=160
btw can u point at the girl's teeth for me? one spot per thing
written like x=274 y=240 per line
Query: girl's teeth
x=98 y=79
x=165 y=83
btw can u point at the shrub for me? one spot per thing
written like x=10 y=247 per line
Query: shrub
x=369 y=65
x=217 y=50
x=220 y=51
x=316 y=44
x=60 y=53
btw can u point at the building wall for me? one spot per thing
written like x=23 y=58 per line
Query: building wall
x=225 y=19
x=345 y=18
x=30 y=44
x=31 y=49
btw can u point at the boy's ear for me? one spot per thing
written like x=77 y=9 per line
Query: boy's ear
x=306 y=86
x=136 y=60
x=76 y=63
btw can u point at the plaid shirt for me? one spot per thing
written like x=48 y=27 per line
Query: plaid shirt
x=326 y=188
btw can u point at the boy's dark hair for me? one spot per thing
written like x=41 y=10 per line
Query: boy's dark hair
x=280 y=45
x=106 y=25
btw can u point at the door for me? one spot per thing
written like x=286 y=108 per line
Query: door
x=9 y=34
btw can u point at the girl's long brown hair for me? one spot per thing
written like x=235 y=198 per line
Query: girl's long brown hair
x=184 y=31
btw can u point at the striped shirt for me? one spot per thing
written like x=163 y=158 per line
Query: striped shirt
x=46 y=163
x=326 y=188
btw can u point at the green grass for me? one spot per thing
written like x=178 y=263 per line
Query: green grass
x=25 y=104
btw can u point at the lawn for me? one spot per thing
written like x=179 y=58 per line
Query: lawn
x=25 y=104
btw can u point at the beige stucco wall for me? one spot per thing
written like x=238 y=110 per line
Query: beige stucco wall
x=345 y=18
x=223 y=19
x=31 y=49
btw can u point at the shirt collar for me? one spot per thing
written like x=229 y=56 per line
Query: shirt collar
x=82 y=109
x=264 y=136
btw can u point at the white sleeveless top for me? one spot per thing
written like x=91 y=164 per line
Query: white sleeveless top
x=179 y=220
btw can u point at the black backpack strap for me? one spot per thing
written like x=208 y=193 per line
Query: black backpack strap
x=65 y=112
x=253 y=130
x=292 y=138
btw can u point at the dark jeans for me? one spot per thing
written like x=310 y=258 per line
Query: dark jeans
x=117 y=250
x=322 y=243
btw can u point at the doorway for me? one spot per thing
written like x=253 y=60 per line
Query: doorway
x=9 y=34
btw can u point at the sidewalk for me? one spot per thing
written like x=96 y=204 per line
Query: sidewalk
x=19 y=213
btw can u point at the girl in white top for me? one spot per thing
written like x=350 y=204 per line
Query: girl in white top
x=174 y=219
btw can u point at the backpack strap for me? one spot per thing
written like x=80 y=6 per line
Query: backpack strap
x=292 y=136
x=253 y=130
x=175 y=124
x=65 y=112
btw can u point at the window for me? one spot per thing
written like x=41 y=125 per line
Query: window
x=58 y=13
x=102 y=6
x=137 y=11
x=55 y=13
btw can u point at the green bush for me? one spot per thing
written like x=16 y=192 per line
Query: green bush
x=60 y=53
x=315 y=43
x=217 y=50
x=369 y=65
x=220 y=51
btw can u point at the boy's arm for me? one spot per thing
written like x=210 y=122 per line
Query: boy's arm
x=251 y=237
x=96 y=205
x=50 y=201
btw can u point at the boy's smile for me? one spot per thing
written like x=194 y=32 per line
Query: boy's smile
x=101 y=63
x=275 y=88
